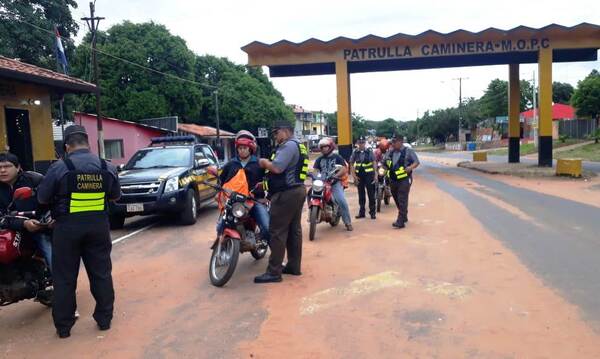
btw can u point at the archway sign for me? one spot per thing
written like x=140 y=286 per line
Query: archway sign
x=522 y=45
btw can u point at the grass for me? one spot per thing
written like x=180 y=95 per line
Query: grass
x=529 y=148
x=590 y=152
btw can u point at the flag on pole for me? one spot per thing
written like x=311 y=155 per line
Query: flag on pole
x=60 y=51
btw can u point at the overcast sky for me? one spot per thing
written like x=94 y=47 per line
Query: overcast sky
x=221 y=28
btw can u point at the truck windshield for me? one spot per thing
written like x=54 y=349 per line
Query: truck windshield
x=159 y=158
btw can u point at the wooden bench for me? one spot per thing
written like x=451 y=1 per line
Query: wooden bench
x=568 y=166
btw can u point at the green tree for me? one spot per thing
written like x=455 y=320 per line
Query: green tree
x=29 y=44
x=494 y=101
x=562 y=92
x=387 y=128
x=359 y=126
x=586 y=99
x=247 y=99
x=133 y=93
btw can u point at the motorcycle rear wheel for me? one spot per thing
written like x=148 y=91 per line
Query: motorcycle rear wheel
x=314 y=219
x=44 y=297
x=336 y=218
x=228 y=251
x=379 y=197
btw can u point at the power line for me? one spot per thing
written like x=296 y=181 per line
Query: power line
x=117 y=57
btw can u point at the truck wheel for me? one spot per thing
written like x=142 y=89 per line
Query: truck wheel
x=190 y=210
x=116 y=221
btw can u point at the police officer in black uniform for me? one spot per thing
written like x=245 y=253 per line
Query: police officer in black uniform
x=363 y=171
x=77 y=190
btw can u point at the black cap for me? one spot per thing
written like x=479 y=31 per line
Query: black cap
x=361 y=139
x=74 y=129
x=282 y=124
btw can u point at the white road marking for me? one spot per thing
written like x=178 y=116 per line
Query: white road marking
x=120 y=239
x=337 y=296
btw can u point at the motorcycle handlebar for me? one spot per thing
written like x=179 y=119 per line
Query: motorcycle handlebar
x=228 y=191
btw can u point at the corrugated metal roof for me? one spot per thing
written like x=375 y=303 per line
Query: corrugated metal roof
x=203 y=131
x=318 y=44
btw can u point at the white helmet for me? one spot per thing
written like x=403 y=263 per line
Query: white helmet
x=327 y=141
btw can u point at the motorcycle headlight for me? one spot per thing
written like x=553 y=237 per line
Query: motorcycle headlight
x=381 y=171
x=318 y=185
x=172 y=184
x=239 y=210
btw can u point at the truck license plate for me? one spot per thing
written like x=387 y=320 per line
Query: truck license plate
x=135 y=207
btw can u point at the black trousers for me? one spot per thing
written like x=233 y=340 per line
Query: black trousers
x=84 y=238
x=285 y=229
x=365 y=184
x=400 y=192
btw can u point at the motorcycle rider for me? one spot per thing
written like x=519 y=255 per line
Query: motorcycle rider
x=381 y=150
x=365 y=177
x=12 y=177
x=326 y=164
x=245 y=145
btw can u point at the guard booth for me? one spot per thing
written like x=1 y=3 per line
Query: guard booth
x=26 y=92
x=522 y=45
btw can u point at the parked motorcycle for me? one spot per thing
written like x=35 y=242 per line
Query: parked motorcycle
x=23 y=273
x=240 y=234
x=321 y=206
x=383 y=191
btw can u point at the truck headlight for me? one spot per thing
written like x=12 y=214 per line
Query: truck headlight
x=172 y=184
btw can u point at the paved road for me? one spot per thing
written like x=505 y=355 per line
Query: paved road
x=558 y=240
x=484 y=269
x=468 y=156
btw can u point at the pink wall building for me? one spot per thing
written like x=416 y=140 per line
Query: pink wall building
x=121 y=138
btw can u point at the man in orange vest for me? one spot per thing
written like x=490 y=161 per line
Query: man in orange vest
x=245 y=145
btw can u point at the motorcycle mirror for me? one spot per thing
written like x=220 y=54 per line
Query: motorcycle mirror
x=23 y=193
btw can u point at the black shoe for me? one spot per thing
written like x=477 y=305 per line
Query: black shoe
x=373 y=216
x=349 y=227
x=398 y=224
x=360 y=215
x=63 y=333
x=104 y=327
x=267 y=278
x=286 y=270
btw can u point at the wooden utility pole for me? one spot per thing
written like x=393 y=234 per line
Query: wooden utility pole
x=92 y=23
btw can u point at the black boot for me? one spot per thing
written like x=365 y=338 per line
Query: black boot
x=360 y=215
x=267 y=278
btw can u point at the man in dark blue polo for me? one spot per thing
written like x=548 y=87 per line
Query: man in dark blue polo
x=77 y=190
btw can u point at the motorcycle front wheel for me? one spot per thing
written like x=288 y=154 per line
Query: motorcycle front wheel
x=223 y=261
x=314 y=219
x=379 y=198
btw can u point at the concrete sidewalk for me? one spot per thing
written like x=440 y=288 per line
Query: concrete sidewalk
x=516 y=169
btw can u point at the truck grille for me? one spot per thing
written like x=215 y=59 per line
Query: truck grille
x=141 y=188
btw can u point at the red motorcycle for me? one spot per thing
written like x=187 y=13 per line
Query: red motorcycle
x=321 y=206
x=23 y=274
x=240 y=234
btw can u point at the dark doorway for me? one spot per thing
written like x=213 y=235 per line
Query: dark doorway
x=18 y=133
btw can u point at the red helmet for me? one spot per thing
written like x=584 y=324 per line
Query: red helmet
x=245 y=138
x=384 y=144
